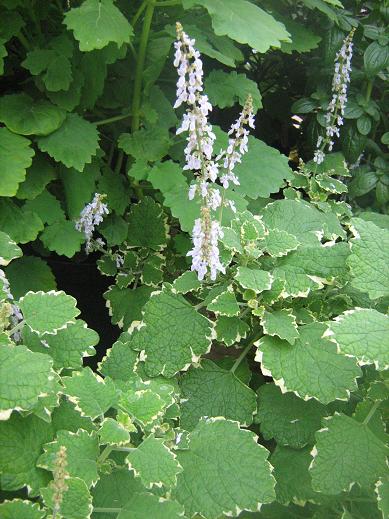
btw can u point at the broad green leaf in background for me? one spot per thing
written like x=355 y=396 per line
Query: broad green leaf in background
x=362 y=333
x=172 y=334
x=125 y=305
x=8 y=250
x=74 y=143
x=38 y=175
x=346 y=452
x=254 y=279
x=82 y=450
x=29 y=273
x=225 y=89
x=92 y=394
x=369 y=258
x=112 y=432
x=54 y=66
x=96 y=23
x=287 y=418
x=46 y=206
x=34 y=370
x=281 y=323
x=382 y=491
x=116 y=187
x=15 y=157
x=278 y=243
x=144 y=504
x=303 y=39
x=21 y=442
x=146 y=225
x=154 y=463
x=120 y=361
x=79 y=187
x=22 y=114
x=76 y=501
x=48 y=312
x=311 y=368
x=243 y=22
x=63 y=238
x=212 y=391
x=146 y=144
x=21 y=508
x=219 y=439
x=230 y=330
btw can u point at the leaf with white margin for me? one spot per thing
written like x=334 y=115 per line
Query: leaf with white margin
x=230 y=330
x=144 y=405
x=369 y=258
x=311 y=368
x=382 y=492
x=187 y=282
x=48 y=312
x=82 y=451
x=24 y=377
x=76 y=499
x=142 y=505
x=8 y=249
x=281 y=323
x=362 y=333
x=346 y=452
x=254 y=279
x=92 y=394
x=19 y=508
x=119 y=362
x=154 y=463
x=21 y=441
x=214 y=480
x=278 y=243
x=172 y=334
x=291 y=421
x=213 y=391
x=225 y=304
x=112 y=432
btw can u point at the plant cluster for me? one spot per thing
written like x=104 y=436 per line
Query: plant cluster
x=250 y=377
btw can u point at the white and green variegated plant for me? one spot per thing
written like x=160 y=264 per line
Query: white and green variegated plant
x=250 y=378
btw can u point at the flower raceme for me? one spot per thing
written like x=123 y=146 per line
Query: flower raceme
x=91 y=216
x=199 y=152
x=337 y=105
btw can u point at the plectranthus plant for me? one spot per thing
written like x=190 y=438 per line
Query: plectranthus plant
x=249 y=377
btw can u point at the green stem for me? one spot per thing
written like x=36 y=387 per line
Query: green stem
x=112 y=119
x=119 y=162
x=138 y=13
x=104 y=455
x=245 y=352
x=371 y=413
x=167 y=3
x=101 y=510
x=125 y=449
x=16 y=328
x=23 y=40
x=369 y=89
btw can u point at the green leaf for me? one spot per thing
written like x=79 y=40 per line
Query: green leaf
x=125 y=305
x=79 y=188
x=375 y=58
x=67 y=347
x=187 y=282
x=141 y=505
x=362 y=333
x=38 y=176
x=120 y=361
x=213 y=461
x=254 y=279
x=15 y=157
x=224 y=304
x=22 y=114
x=117 y=189
x=76 y=500
x=21 y=441
x=311 y=368
x=382 y=491
x=63 y=238
x=281 y=323
x=147 y=225
x=243 y=22
x=67 y=417
x=96 y=23
x=212 y=391
x=288 y=419
x=364 y=124
x=230 y=330
x=8 y=250
x=172 y=334
x=46 y=206
x=369 y=258
x=112 y=432
x=34 y=375
x=82 y=451
x=330 y=184
x=154 y=463
x=74 y=143
x=303 y=39
x=18 y=508
x=224 y=89
x=346 y=452
x=147 y=144
x=54 y=66
x=21 y=225
x=278 y=243
x=92 y=394
x=48 y=312
x=144 y=405
x=30 y=273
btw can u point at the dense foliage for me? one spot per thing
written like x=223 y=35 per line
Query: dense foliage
x=255 y=384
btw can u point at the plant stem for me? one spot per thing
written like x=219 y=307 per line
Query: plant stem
x=167 y=3
x=119 y=162
x=124 y=449
x=369 y=89
x=112 y=119
x=138 y=13
x=104 y=455
x=371 y=413
x=245 y=352
x=16 y=328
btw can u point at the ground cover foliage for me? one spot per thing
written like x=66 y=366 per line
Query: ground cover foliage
x=262 y=393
